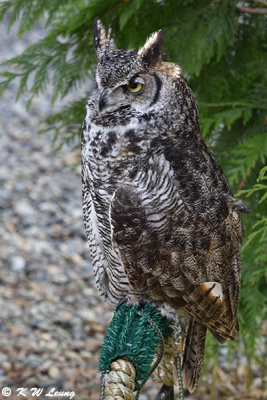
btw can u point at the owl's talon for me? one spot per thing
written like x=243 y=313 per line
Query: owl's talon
x=122 y=301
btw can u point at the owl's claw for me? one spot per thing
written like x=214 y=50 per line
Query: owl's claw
x=122 y=301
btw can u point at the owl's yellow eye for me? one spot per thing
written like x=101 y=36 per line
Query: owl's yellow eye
x=134 y=87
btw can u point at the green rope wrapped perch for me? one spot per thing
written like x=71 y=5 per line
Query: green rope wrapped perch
x=136 y=334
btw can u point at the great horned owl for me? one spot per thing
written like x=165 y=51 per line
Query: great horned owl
x=162 y=223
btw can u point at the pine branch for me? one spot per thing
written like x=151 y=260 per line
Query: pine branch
x=258 y=187
x=234 y=104
x=261 y=2
x=249 y=10
x=242 y=183
x=260 y=232
x=29 y=12
x=66 y=125
x=246 y=155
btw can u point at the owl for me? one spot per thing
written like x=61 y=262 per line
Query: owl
x=162 y=223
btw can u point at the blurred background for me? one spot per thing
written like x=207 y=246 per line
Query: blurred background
x=52 y=320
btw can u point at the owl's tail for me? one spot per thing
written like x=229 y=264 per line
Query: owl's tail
x=193 y=354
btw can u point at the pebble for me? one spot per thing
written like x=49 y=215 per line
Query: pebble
x=54 y=372
x=46 y=365
x=17 y=264
x=23 y=208
x=33 y=361
x=87 y=315
x=6 y=366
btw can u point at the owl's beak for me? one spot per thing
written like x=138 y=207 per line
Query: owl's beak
x=103 y=100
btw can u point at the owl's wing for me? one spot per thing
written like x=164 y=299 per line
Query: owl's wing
x=174 y=264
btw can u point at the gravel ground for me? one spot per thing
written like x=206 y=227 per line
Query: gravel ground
x=52 y=319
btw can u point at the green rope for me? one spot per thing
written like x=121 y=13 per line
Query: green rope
x=135 y=332
x=102 y=387
x=178 y=358
x=159 y=353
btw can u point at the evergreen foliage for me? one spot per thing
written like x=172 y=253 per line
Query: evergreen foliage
x=222 y=51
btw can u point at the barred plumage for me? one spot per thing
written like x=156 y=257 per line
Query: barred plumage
x=162 y=223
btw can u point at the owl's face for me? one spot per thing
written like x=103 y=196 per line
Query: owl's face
x=138 y=84
x=136 y=90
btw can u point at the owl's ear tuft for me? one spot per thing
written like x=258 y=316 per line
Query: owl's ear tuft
x=103 y=42
x=151 y=52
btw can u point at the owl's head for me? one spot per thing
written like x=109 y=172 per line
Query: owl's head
x=130 y=81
